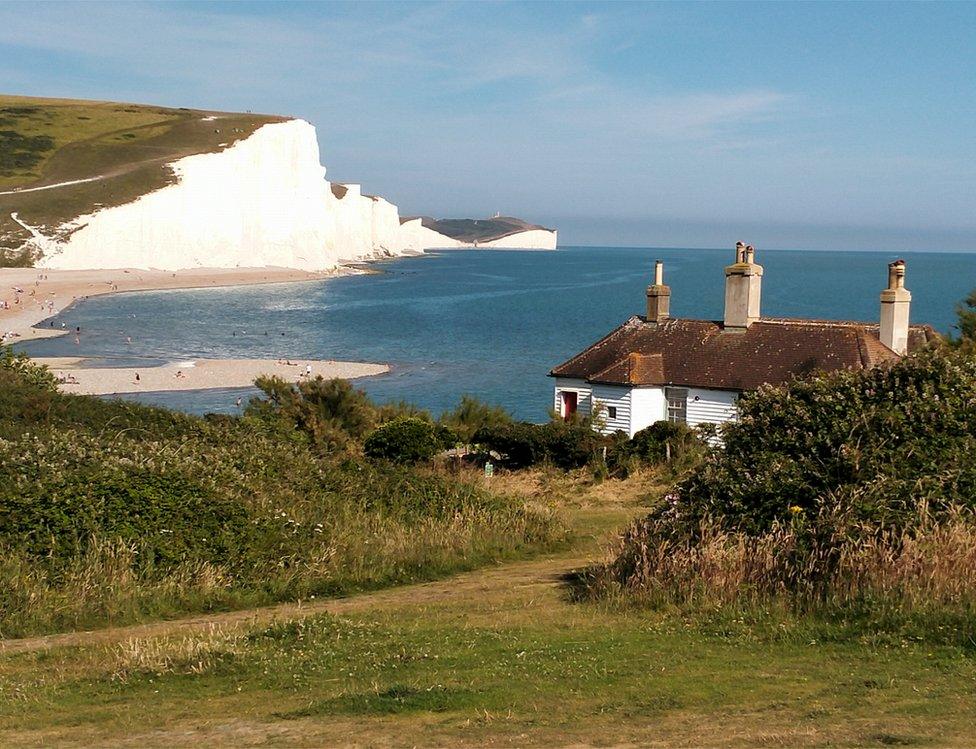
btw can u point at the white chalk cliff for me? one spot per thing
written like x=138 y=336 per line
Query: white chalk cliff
x=262 y=201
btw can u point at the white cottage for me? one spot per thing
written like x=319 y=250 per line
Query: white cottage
x=656 y=367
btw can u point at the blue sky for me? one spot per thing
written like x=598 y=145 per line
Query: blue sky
x=790 y=125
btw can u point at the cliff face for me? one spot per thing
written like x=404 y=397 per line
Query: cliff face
x=262 y=201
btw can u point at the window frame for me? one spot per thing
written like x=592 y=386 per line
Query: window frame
x=676 y=404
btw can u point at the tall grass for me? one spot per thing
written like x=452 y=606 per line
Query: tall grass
x=108 y=582
x=828 y=565
x=112 y=513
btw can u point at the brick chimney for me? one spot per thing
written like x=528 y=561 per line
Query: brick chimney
x=895 y=302
x=658 y=296
x=743 y=286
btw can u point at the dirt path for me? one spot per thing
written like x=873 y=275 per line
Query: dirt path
x=18 y=191
x=549 y=572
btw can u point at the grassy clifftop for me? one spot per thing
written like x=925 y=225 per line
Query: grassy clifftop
x=479 y=230
x=121 y=149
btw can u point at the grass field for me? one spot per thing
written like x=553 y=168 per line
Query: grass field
x=50 y=141
x=499 y=656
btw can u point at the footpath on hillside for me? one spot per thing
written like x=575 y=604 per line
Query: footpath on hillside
x=549 y=572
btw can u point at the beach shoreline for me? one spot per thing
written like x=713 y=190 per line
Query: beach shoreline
x=46 y=293
x=196 y=374
x=33 y=295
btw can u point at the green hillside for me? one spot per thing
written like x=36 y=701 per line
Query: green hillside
x=46 y=142
x=479 y=230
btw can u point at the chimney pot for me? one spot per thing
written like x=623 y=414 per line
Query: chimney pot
x=740 y=252
x=895 y=306
x=658 y=296
x=743 y=287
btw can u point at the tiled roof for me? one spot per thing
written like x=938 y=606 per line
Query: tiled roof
x=701 y=353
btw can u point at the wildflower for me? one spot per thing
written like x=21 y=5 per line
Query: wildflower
x=796 y=509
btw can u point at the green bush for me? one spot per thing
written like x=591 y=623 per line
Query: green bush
x=470 y=415
x=662 y=441
x=332 y=414
x=849 y=495
x=874 y=443
x=405 y=440
x=18 y=370
x=521 y=444
x=114 y=511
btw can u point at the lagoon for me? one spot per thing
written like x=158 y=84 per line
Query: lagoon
x=486 y=322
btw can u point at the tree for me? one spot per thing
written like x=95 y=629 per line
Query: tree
x=966 y=316
x=471 y=414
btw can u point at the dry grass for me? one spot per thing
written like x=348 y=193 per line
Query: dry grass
x=194 y=653
x=825 y=564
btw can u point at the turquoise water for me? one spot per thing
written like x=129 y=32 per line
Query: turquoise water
x=486 y=322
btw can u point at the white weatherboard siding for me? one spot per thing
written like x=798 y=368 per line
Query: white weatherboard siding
x=583 y=394
x=639 y=407
x=711 y=406
x=262 y=201
x=617 y=397
x=648 y=405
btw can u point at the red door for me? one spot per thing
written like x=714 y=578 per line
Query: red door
x=569 y=404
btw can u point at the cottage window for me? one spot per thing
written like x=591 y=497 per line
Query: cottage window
x=677 y=404
x=611 y=412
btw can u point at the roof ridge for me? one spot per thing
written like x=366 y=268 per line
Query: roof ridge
x=601 y=341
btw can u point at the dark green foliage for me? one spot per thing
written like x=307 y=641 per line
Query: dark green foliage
x=565 y=445
x=172 y=518
x=108 y=504
x=19 y=152
x=21 y=258
x=19 y=369
x=966 y=318
x=399 y=409
x=875 y=444
x=662 y=441
x=405 y=440
x=331 y=413
x=470 y=415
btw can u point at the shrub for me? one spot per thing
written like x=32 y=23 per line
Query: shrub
x=470 y=415
x=875 y=443
x=404 y=440
x=113 y=511
x=331 y=413
x=830 y=565
x=565 y=445
x=663 y=441
x=846 y=493
x=19 y=369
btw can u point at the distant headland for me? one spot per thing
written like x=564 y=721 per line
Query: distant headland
x=99 y=185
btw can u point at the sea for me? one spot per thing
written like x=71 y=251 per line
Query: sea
x=489 y=323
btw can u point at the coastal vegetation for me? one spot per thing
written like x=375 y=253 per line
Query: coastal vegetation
x=848 y=496
x=499 y=655
x=811 y=581
x=113 y=512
